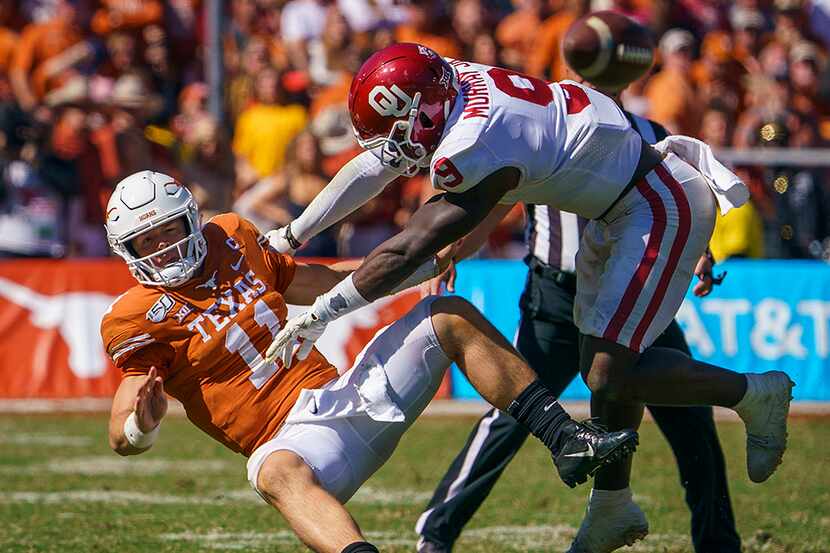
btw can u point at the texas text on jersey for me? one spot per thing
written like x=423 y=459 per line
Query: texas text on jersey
x=207 y=337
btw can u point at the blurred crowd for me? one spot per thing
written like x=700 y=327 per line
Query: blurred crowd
x=93 y=90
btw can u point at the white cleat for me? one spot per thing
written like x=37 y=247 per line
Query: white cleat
x=608 y=527
x=764 y=410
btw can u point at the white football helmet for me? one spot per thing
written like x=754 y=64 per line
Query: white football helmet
x=143 y=201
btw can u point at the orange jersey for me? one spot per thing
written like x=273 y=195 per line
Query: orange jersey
x=208 y=338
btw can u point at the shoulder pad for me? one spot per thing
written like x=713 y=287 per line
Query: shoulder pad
x=458 y=169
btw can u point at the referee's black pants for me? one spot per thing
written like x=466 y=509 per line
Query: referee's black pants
x=549 y=339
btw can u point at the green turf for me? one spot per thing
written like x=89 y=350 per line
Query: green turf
x=62 y=490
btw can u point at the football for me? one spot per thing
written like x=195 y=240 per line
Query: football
x=608 y=49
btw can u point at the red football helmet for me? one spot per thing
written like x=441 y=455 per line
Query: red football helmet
x=399 y=101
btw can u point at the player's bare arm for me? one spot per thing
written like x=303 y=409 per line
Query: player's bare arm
x=464 y=248
x=312 y=279
x=402 y=261
x=473 y=242
x=441 y=221
x=141 y=398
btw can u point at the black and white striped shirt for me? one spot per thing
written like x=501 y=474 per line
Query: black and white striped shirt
x=553 y=236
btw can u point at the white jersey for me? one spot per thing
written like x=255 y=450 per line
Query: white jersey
x=574 y=146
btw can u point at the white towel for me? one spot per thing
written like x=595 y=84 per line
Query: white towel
x=729 y=190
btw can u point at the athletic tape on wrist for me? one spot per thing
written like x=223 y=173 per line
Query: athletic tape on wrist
x=135 y=436
x=343 y=298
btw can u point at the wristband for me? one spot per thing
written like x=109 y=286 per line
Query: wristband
x=710 y=256
x=135 y=436
x=716 y=279
x=289 y=237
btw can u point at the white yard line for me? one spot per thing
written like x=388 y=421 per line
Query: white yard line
x=83 y=405
x=110 y=496
x=547 y=536
x=378 y=496
x=112 y=464
x=439 y=407
x=366 y=496
x=44 y=439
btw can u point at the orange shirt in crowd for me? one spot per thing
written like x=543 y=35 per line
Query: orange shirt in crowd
x=518 y=31
x=673 y=102
x=126 y=14
x=547 y=54
x=445 y=47
x=208 y=337
x=332 y=95
x=8 y=43
x=716 y=50
x=700 y=74
x=38 y=43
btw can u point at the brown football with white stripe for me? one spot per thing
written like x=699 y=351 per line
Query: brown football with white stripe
x=608 y=49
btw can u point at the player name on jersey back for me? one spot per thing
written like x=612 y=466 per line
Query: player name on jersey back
x=574 y=147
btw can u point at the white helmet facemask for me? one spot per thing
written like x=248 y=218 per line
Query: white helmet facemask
x=144 y=201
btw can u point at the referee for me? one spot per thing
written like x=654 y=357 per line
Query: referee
x=547 y=332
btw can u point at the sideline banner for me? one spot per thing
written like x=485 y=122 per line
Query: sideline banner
x=767 y=315
x=50 y=314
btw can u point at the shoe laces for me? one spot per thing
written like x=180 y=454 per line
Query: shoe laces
x=594 y=425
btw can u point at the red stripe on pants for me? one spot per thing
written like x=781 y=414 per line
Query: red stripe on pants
x=684 y=227
x=638 y=280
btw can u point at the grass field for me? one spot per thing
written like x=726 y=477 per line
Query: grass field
x=62 y=490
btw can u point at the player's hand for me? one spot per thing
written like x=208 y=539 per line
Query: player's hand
x=150 y=402
x=443 y=282
x=446 y=257
x=277 y=240
x=446 y=272
x=706 y=280
x=297 y=337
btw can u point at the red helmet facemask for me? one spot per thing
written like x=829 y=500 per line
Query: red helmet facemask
x=399 y=102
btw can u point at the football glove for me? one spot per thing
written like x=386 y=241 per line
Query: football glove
x=296 y=338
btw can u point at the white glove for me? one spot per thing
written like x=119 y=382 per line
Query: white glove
x=278 y=241
x=299 y=334
x=297 y=337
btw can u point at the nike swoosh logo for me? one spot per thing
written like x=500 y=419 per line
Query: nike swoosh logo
x=235 y=266
x=587 y=453
x=547 y=407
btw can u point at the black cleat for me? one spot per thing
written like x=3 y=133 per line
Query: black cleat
x=588 y=447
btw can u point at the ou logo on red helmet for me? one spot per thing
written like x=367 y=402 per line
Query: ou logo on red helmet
x=386 y=101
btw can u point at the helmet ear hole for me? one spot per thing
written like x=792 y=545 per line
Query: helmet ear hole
x=425 y=121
